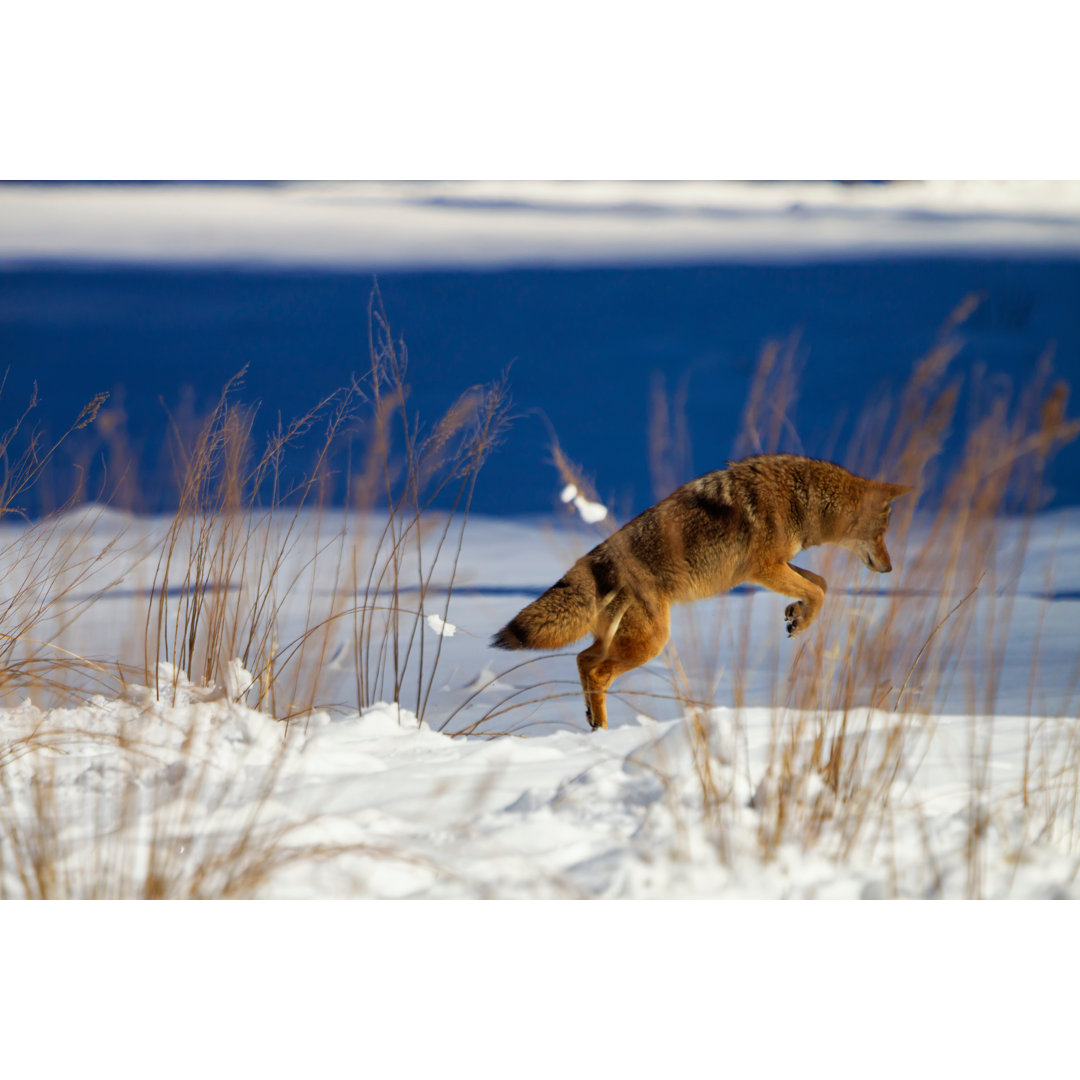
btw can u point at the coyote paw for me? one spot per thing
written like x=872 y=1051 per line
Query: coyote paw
x=796 y=618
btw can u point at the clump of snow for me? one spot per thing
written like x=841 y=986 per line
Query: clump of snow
x=443 y=629
x=238 y=681
x=173 y=687
x=590 y=512
x=389 y=718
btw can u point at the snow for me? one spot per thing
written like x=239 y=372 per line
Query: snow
x=443 y=629
x=378 y=225
x=501 y=791
x=591 y=512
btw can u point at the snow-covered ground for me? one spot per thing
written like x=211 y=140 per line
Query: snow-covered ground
x=475 y=224
x=191 y=789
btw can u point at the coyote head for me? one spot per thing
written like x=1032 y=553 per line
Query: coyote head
x=866 y=537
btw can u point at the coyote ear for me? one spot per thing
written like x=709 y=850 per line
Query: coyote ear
x=894 y=491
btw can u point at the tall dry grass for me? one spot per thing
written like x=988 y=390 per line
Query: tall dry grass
x=49 y=573
x=863 y=688
x=235 y=556
x=854 y=710
x=407 y=572
x=226 y=568
x=257 y=584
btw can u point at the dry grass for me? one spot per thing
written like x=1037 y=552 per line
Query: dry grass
x=235 y=554
x=225 y=567
x=854 y=709
x=407 y=471
x=46 y=569
x=238 y=603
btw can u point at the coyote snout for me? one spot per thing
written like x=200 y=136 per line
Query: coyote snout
x=866 y=536
x=876 y=555
x=740 y=524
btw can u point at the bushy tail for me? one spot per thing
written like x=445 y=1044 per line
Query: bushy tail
x=563 y=614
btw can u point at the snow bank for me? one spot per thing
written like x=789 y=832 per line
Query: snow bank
x=377 y=804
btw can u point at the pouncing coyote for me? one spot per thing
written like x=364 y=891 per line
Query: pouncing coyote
x=739 y=524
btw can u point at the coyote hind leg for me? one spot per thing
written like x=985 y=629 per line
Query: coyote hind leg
x=637 y=640
x=588 y=662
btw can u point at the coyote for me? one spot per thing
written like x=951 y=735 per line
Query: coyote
x=739 y=524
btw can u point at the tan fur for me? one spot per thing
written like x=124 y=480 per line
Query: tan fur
x=740 y=524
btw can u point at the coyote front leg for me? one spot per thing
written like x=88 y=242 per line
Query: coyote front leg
x=790 y=580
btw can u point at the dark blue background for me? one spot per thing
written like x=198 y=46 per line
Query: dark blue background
x=584 y=346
